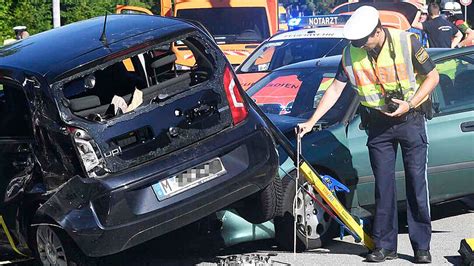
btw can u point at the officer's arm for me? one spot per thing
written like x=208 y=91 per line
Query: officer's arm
x=423 y=65
x=426 y=88
x=457 y=38
x=416 y=22
x=330 y=97
x=327 y=101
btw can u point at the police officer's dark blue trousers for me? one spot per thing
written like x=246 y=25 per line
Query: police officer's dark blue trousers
x=385 y=134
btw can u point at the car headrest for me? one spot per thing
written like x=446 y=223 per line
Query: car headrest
x=84 y=103
x=162 y=61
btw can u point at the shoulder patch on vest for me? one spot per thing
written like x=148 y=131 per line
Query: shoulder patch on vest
x=421 y=55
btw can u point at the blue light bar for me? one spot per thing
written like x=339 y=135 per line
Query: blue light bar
x=318 y=21
x=294 y=22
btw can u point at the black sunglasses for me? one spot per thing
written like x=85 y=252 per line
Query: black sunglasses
x=361 y=42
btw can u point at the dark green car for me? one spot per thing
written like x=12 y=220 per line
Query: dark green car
x=339 y=149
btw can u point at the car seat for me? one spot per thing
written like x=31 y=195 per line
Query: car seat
x=463 y=85
x=163 y=64
x=114 y=80
x=447 y=88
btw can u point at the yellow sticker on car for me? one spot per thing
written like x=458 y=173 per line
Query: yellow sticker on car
x=336 y=205
x=9 y=237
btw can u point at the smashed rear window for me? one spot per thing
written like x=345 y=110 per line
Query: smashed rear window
x=144 y=105
x=140 y=80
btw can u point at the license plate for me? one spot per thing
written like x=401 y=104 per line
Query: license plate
x=188 y=179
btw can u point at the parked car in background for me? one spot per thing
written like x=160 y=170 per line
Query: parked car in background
x=288 y=48
x=105 y=144
x=337 y=145
x=313 y=37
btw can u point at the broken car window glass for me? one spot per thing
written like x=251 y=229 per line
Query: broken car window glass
x=14 y=121
x=148 y=77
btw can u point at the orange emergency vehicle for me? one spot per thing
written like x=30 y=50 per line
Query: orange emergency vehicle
x=282 y=18
x=238 y=26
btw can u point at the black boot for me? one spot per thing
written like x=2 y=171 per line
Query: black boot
x=422 y=256
x=381 y=254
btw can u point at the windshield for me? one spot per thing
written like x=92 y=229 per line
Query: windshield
x=232 y=24
x=297 y=92
x=275 y=54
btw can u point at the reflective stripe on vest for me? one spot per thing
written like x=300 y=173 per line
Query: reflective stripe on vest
x=365 y=78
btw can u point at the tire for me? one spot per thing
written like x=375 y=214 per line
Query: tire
x=55 y=247
x=320 y=225
x=263 y=205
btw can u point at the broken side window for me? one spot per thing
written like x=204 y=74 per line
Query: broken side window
x=139 y=80
x=14 y=110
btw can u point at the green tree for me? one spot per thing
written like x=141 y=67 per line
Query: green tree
x=35 y=15
x=323 y=7
x=5 y=25
x=73 y=10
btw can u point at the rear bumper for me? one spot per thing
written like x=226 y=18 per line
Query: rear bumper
x=105 y=221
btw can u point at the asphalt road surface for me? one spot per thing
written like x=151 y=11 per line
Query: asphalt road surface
x=452 y=222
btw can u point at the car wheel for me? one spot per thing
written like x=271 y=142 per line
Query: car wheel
x=312 y=233
x=263 y=205
x=54 y=247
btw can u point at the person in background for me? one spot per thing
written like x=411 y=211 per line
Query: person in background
x=20 y=32
x=422 y=36
x=452 y=12
x=441 y=33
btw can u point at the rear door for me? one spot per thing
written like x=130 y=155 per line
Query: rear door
x=451 y=131
x=16 y=161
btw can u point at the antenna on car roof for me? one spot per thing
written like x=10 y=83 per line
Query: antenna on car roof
x=103 y=37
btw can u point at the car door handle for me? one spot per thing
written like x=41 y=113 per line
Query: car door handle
x=467 y=126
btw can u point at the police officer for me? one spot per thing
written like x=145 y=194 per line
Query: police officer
x=393 y=75
x=20 y=32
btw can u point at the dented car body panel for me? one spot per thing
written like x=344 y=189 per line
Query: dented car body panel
x=113 y=178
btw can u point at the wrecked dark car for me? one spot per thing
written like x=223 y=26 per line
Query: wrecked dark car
x=107 y=142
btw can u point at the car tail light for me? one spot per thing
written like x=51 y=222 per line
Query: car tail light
x=89 y=153
x=238 y=110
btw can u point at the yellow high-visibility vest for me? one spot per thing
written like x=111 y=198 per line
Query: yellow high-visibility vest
x=374 y=78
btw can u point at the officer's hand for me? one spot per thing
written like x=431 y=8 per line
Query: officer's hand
x=403 y=108
x=304 y=128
